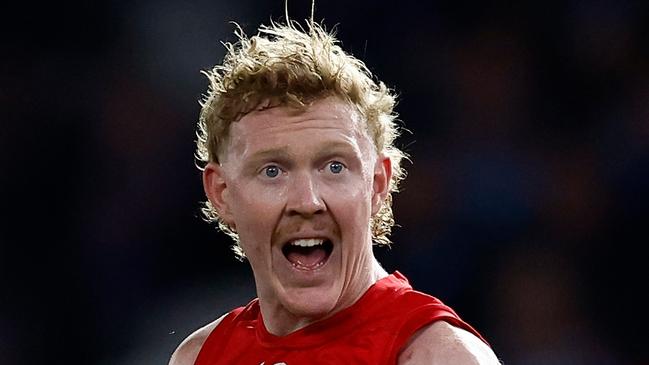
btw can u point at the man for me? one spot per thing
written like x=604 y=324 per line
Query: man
x=299 y=166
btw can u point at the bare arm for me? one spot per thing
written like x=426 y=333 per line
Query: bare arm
x=442 y=343
x=187 y=351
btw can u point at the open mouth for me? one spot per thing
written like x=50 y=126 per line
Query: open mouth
x=308 y=254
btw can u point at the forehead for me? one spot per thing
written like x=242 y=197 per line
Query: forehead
x=324 y=120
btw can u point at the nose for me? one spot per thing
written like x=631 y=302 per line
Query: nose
x=304 y=197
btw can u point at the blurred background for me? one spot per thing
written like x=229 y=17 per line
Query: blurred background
x=525 y=208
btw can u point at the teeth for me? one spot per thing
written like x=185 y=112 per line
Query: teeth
x=310 y=242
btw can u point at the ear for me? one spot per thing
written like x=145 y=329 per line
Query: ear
x=216 y=190
x=381 y=183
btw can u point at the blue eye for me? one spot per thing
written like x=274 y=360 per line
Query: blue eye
x=336 y=167
x=271 y=171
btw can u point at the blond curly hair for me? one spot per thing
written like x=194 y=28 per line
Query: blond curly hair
x=289 y=65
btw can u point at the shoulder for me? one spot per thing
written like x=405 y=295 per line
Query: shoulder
x=188 y=350
x=443 y=343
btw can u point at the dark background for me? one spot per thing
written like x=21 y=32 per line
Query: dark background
x=525 y=207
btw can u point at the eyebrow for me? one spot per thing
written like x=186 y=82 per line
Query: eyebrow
x=280 y=154
x=273 y=153
x=332 y=148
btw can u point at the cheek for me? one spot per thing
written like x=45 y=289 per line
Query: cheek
x=350 y=204
x=254 y=224
x=255 y=209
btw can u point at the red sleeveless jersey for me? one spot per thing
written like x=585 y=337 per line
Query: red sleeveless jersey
x=372 y=331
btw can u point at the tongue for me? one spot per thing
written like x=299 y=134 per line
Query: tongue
x=306 y=257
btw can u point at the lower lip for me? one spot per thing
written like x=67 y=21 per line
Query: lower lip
x=309 y=269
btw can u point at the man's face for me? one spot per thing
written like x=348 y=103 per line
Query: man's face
x=300 y=189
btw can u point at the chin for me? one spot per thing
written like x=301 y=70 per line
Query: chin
x=313 y=303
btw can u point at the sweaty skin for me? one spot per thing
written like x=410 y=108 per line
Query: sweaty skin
x=287 y=175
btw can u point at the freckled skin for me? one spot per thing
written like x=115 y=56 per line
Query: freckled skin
x=279 y=179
